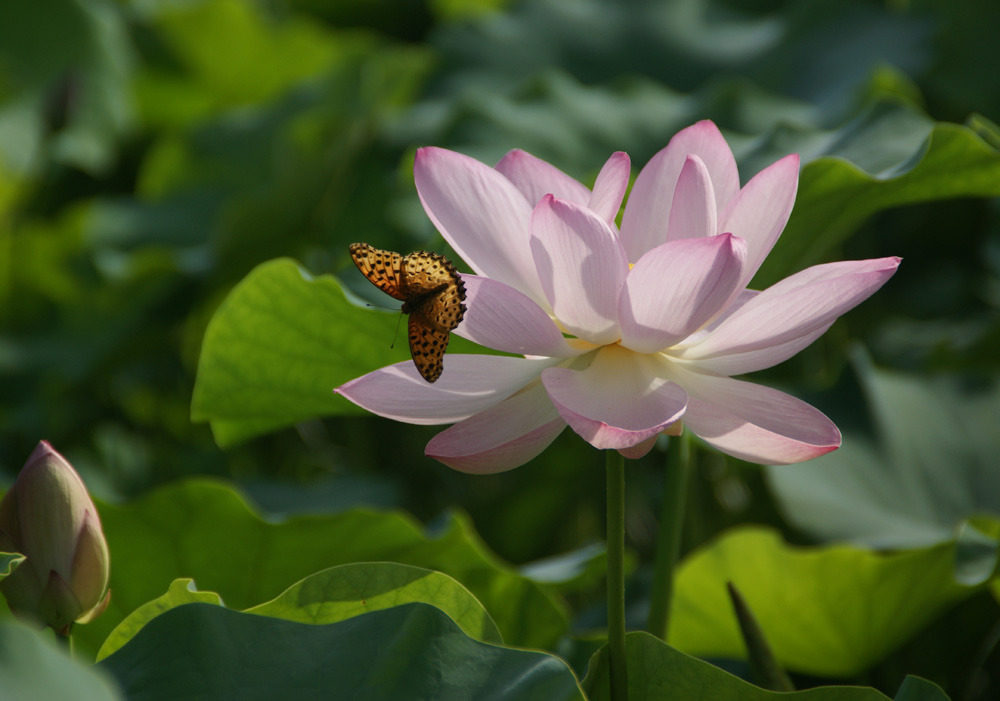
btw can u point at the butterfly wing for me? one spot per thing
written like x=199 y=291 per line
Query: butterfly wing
x=384 y=269
x=434 y=290
x=427 y=346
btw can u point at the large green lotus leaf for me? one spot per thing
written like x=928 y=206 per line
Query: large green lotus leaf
x=931 y=465
x=33 y=667
x=826 y=611
x=658 y=672
x=342 y=592
x=891 y=155
x=181 y=591
x=279 y=344
x=276 y=348
x=406 y=652
x=332 y=595
x=206 y=531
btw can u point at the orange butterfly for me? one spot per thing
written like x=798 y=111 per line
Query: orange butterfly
x=432 y=293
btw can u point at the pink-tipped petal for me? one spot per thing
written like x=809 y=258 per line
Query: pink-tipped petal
x=693 y=210
x=581 y=265
x=469 y=384
x=480 y=213
x=502 y=437
x=644 y=223
x=610 y=187
x=498 y=316
x=761 y=209
x=676 y=288
x=788 y=316
x=536 y=178
x=639 y=450
x=753 y=422
x=618 y=402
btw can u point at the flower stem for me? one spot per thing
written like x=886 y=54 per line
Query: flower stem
x=668 y=544
x=616 y=575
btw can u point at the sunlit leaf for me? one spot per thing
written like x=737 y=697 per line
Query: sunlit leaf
x=181 y=591
x=332 y=595
x=343 y=592
x=277 y=347
x=826 y=611
x=205 y=530
x=411 y=651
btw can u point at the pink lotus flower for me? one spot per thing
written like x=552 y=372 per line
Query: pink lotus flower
x=623 y=334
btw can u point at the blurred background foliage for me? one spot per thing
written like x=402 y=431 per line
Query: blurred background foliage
x=153 y=152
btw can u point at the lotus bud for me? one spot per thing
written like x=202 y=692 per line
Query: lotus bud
x=48 y=517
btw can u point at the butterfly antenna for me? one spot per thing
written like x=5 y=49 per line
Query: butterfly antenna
x=396 y=335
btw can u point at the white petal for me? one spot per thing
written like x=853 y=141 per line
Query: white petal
x=677 y=288
x=760 y=211
x=502 y=437
x=610 y=187
x=536 y=178
x=644 y=223
x=618 y=401
x=468 y=385
x=581 y=266
x=481 y=214
x=693 y=209
x=753 y=422
x=788 y=316
x=498 y=316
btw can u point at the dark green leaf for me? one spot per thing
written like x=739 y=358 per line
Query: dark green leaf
x=332 y=595
x=412 y=651
x=658 y=672
x=205 y=531
x=181 y=591
x=890 y=156
x=343 y=592
x=917 y=689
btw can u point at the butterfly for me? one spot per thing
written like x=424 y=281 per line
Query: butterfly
x=432 y=293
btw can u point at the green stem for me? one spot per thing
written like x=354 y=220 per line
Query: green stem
x=616 y=575
x=668 y=545
x=65 y=640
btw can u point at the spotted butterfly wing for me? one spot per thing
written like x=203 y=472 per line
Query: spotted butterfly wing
x=432 y=294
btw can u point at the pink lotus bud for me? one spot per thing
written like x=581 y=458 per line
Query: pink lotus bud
x=48 y=516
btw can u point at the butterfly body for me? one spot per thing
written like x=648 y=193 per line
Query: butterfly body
x=432 y=293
